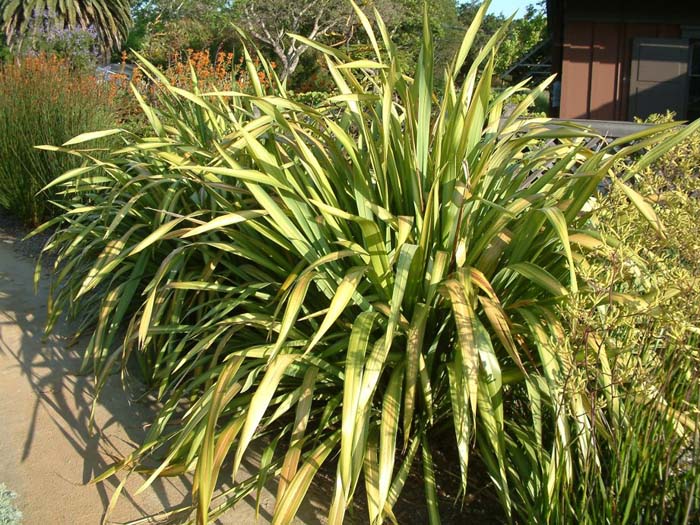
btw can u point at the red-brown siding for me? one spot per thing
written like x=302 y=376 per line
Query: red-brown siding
x=604 y=68
x=596 y=66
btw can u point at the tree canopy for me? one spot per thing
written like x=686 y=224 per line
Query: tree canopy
x=524 y=32
x=271 y=21
x=163 y=27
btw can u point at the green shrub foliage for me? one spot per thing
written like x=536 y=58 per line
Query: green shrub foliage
x=9 y=515
x=644 y=310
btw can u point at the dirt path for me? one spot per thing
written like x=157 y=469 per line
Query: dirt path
x=47 y=454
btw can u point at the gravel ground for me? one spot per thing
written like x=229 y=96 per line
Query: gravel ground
x=14 y=231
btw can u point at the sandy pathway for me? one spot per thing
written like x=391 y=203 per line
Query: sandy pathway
x=47 y=455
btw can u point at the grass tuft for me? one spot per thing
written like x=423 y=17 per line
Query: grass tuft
x=43 y=101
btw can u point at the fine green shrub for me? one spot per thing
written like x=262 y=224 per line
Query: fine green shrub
x=350 y=284
x=538 y=108
x=5 y=53
x=650 y=458
x=639 y=317
x=9 y=515
x=310 y=98
x=42 y=101
x=651 y=472
x=638 y=351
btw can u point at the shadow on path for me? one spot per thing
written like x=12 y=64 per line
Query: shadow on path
x=61 y=401
x=47 y=452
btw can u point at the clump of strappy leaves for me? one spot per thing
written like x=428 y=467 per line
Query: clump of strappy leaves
x=344 y=283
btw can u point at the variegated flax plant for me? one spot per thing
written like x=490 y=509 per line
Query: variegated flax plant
x=350 y=285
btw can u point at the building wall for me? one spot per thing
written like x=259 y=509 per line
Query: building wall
x=596 y=60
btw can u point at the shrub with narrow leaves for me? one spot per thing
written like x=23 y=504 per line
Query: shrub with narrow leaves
x=348 y=284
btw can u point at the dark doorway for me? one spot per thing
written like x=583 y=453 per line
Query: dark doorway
x=659 y=77
x=694 y=81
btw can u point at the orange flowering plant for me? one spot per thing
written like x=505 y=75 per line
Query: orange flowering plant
x=223 y=71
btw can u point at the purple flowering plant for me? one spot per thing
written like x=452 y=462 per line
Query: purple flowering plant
x=78 y=45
